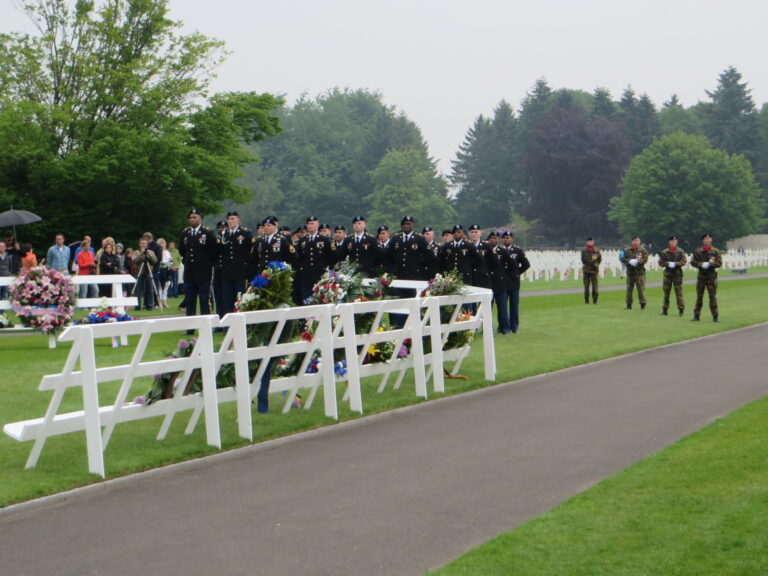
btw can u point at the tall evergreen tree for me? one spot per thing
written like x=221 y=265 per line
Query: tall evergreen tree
x=730 y=120
x=673 y=117
x=640 y=119
x=603 y=105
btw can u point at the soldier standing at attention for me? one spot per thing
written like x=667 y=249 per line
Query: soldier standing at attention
x=671 y=261
x=590 y=260
x=273 y=246
x=236 y=254
x=707 y=259
x=635 y=257
x=407 y=252
x=339 y=234
x=430 y=262
x=481 y=276
x=199 y=249
x=517 y=265
x=362 y=248
x=500 y=283
x=458 y=255
x=315 y=254
x=218 y=265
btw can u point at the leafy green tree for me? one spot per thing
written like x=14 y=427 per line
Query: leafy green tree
x=105 y=124
x=673 y=117
x=322 y=162
x=730 y=120
x=640 y=119
x=485 y=170
x=405 y=182
x=575 y=165
x=681 y=185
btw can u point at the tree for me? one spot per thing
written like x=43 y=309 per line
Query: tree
x=673 y=117
x=640 y=119
x=405 y=182
x=105 y=122
x=322 y=162
x=681 y=185
x=486 y=169
x=730 y=119
x=603 y=105
x=575 y=165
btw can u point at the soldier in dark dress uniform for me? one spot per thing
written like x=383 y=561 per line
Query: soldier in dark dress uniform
x=481 y=276
x=383 y=239
x=500 y=283
x=518 y=264
x=458 y=255
x=316 y=253
x=431 y=265
x=199 y=248
x=339 y=235
x=407 y=251
x=273 y=246
x=236 y=242
x=362 y=248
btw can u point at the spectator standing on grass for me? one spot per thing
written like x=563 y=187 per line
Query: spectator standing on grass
x=9 y=266
x=164 y=274
x=144 y=263
x=86 y=266
x=120 y=254
x=173 y=291
x=28 y=258
x=58 y=255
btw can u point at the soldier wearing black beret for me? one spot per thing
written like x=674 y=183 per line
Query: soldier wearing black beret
x=199 y=248
x=316 y=253
x=362 y=248
x=273 y=246
x=459 y=255
x=236 y=244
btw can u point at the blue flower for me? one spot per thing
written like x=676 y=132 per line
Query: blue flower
x=341 y=368
x=277 y=266
x=259 y=281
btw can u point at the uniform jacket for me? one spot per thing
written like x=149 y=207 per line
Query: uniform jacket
x=500 y=280
x=481 y=273
x=459 y=256
x=314 y=257
x=631 y=253
x=678 y=257
x=407 y=257
x=590 y=260
x=365 y=252
x=236 y=253
x=712 y=256
x=517 y=265
x=199 y=253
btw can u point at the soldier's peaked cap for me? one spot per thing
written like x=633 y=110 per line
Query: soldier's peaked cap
x=221 y=224
x=426 y=229
x=312 y=219
x=458 y=227
x=383 y=228
x=406 y=219
x=193 y=211
x=339 y=227
x=507 y=233
x=493 y=234
x=474 y=227
x=358 y=219
x=270 y=220
x=233 y=213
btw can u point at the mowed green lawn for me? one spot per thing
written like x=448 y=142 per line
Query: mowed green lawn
x=697 y=508
x=556 y=332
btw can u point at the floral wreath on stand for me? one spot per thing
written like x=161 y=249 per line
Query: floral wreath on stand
x=43 y=299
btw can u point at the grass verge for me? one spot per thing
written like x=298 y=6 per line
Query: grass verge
x=696 y=508
x=556 y=332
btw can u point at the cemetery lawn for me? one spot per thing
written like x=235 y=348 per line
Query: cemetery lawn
x=556 y=332
x=696 y=508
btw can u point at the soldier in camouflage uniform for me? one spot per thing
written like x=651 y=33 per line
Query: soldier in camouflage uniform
x=707 y=259
x=590 y=260
x=635 y=257
x=671 y=261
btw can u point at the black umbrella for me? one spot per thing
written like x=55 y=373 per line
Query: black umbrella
x=17 y=218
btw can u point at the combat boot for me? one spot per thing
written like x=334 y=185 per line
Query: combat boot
x=695 y=318
x=586 y=299
x=642 y=306
x=629 y=306
x=594 y=298
x=663 y=312
x=681 y=312
x=716 y=318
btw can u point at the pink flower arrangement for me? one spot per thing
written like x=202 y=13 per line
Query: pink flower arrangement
x=43 y=299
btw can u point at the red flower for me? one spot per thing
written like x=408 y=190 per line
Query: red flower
x=306 y=336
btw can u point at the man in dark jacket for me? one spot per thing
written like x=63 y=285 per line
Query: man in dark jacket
x=199 y=248
x=517 y=266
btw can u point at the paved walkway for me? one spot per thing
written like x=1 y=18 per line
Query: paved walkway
x=398 y=493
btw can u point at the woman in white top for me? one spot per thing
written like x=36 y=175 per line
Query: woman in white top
x=165 y=274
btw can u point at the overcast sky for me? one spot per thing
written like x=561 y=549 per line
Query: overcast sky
x=444 y=62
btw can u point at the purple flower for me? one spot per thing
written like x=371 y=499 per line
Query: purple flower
x=183 y=344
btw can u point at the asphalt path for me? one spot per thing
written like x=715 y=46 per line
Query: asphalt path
x=397 y=493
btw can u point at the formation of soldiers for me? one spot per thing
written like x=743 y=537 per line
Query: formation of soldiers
x=228 y=257
x=706 y=259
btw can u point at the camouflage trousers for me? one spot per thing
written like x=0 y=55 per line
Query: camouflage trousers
x=636 y=280
x=710 y=285
x=590 y=278
x=675 y=280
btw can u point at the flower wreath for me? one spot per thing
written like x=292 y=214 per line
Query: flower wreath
x=43 y=299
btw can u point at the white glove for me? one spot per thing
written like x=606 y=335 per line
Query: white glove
x=671 y=265
x=633 y=262
x=705 y=265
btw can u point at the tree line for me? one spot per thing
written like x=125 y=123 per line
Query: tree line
x=107 y=127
